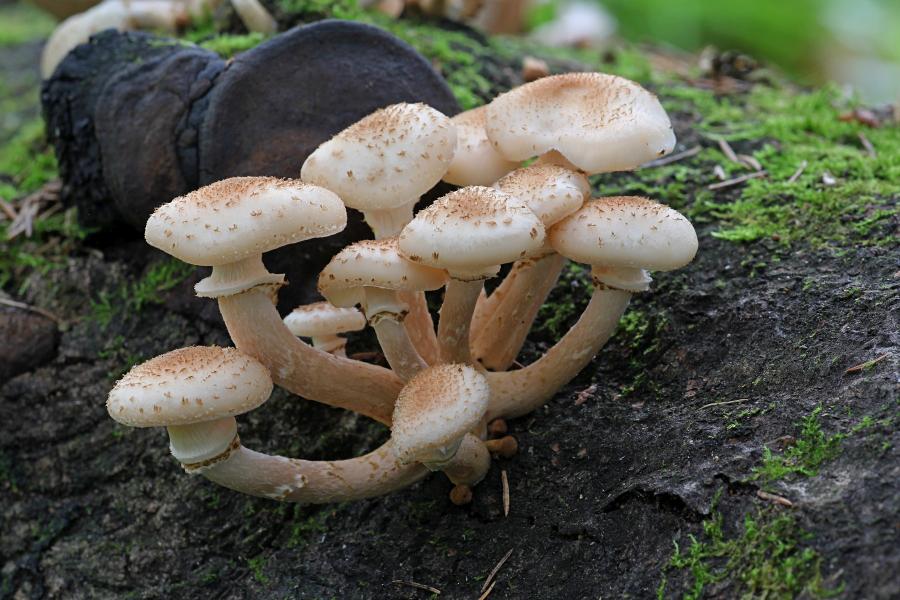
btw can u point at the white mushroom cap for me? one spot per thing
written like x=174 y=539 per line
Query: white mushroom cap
x=550 y=191
x=435 y=410
x=323 y=319
x=189 y=385
x=233 y=219
x=374 y=264
x=626 y=232
x=471 y=232
x=600 y=123
x=475 y=161
x=386 y=160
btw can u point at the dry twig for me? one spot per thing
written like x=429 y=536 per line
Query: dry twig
x=494 y=571
x=736 y=180
x=865 y=365
x=870 y=149
x=667 y=160
x=418 y=586
x=798 y=172
x=487 y=592
x=34 y=309
x=504 y=481
x=723 y=403
x=774 y=498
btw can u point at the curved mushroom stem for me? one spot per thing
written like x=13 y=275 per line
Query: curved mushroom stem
x=332 y=344
x=313 y=481
x=515 y=393
x=420 y=326
x=257 y=329
x=456 y=318
x=388 y=222
x=501 y=337
x=398 y=349
x=255 y=16
x=470 y=463
x=484 y=306
x=386 y=314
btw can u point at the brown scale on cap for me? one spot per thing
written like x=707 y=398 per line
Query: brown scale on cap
x=391 y=124
x=476 y=204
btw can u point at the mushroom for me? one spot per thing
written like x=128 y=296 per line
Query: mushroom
x=590 y=122
x=228 y=225
x=255 y=16
x=619 y=237
x=470 y=233
x=371 y=273
x=196 y=393
x=380 y=166
x=475 y=161
x=552 y=193
x=586 y=122
x=323 y=322
x=433 y=420
x=123 y=15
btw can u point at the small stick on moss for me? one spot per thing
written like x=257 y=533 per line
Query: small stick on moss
x=774 y=498
x=490 y=577
x=798 y=172
x=710 y=405
x=672 y=158
x=34 y=309
x=726 y=149
x=865 y=365
x=8 y=210
x=487 y=592
x=870 y=149
x=418 y=586
x=504 y=481
x=736 y=180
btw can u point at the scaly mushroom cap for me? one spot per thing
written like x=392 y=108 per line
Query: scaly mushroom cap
x=189 y=385
x=600 y=123
x=475 y=161
x=550 y=191
x=323 y=318
x=378 y=264
x=386 y=160
x=435 y=410
x=471 y=232
x=237 y=218
x=626 y=232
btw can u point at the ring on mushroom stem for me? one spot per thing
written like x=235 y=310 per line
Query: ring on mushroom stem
x=380 y=166
x=371 y=273
x=322 y=321
x=619 y=237
x=195 y=392
x=229 y=225
x=470 y=233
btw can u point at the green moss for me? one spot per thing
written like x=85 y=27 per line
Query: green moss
x=812 y=448
x=229 y=45
x=765 y=558
x=257 y=566
x=149 y=289
x=566 y=302
x=27 y=160
x=21 y=22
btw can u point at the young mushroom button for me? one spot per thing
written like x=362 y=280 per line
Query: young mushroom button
x=323 y=322
x=469 y=232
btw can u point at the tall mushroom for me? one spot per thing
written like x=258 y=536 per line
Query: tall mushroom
x=229 y=225
x=619 y=237
x=372 y=274
x=196 y=393
x=380 y=166
x=586 y=122
x=322 y=322
x=470 y=233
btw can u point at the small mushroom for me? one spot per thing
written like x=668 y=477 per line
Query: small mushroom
x=552 y=193
x=371 y=274
x=470 y=233
x=619 y=237
x=323 y=322
x=475 y=161
x=229 y=225
x=196 y=393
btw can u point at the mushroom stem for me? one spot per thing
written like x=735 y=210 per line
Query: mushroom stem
x=501 y=337
x=388 y=222
x=255 y=16
x=420 y=326
x=516 y=393
x=332 y=344
x=317 y=482
x=256 y=328
x=398 y=349
x=470 y=463
x=235 y=277
x=456 y=317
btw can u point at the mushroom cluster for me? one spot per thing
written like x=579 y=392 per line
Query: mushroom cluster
x=448 y=388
